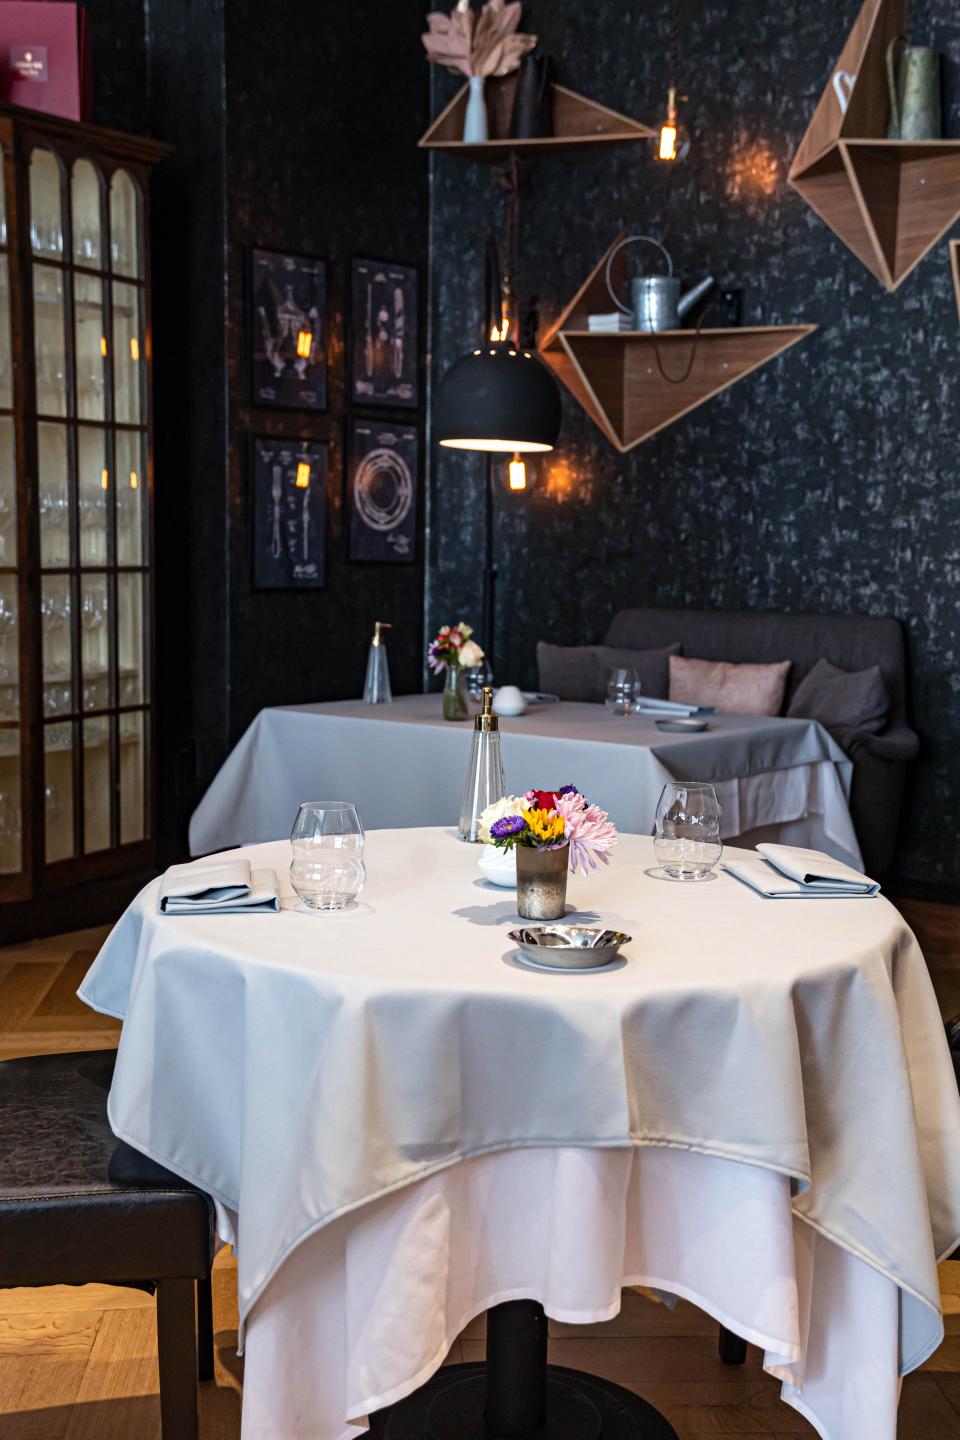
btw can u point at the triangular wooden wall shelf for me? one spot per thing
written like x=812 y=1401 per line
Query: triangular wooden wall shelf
x=577 y=122
x=616 y=377
x=955 y=270
x=889 y=201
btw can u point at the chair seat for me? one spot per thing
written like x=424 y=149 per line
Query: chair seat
x=62 y=1219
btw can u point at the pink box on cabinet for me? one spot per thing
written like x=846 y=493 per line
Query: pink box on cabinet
x=45 y=57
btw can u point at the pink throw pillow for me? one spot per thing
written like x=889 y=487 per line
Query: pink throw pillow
x=731 y=689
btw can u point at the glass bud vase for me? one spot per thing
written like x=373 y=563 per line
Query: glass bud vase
x=455 y=705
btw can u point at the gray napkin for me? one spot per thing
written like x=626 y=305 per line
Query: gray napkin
x=221 y=887
x=785 y=872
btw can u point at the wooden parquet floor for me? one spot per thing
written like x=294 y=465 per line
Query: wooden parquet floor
x=81 y=1363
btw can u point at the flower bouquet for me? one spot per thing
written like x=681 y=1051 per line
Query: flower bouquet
x=454 y=652
x=551 y=832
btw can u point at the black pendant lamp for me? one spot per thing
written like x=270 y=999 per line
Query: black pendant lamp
x=499 y=397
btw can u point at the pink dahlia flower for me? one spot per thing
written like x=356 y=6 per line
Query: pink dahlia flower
x=588 y=829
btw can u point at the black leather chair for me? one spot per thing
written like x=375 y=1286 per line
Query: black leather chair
x=65 y=1221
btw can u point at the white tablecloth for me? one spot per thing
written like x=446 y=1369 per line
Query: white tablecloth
x=403 y=765
x=305 y=1069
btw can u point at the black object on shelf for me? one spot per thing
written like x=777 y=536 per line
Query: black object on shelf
x=725 y=309
x=516 y=1395
x=532 y=115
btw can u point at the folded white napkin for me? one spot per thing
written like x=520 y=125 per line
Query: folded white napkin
x=648 y=705
x=783 y=872
x=218 y=887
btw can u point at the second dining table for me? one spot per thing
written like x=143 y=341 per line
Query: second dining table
x=777 y=777
x=402 y=1125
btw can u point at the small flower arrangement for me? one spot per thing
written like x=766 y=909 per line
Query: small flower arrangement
x=550 y=819
x=453 y=649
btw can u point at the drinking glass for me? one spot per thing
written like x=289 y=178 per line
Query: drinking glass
x=687 y=843
x=623 y=690
x=327 y=870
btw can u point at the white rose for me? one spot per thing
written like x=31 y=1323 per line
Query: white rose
x=509 y=805
x=470 y=654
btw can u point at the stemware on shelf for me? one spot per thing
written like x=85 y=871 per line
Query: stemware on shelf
x=687 y=840
x=327 y=840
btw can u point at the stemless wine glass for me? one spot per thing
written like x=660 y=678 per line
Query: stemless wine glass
x=687 y=843
x=327 y=870
x=623 y=690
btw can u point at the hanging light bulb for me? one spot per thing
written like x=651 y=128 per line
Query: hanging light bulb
x=673 y=142
x=517 y=474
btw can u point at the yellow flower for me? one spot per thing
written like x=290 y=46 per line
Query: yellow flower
x=546 y=825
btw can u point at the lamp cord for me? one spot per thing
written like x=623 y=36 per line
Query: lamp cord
x=673 y=48
x=680 y=379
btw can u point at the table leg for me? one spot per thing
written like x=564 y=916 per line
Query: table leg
x=516 y=1395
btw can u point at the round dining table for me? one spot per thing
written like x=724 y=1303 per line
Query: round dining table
x=403 y=1124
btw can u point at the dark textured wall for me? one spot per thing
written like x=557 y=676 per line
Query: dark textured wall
x=295 y=127
x=826 y=481
x=324 y=108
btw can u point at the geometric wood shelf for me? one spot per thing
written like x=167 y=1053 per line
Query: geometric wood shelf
x=889 y=201
x=577 y=122
x=617 y=380
x=955 y=270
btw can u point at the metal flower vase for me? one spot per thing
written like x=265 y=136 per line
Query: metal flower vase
x=542 y=881
x=455 y=705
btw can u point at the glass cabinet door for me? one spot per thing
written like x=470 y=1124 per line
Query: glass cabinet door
x=11 y=807
x=87 y=289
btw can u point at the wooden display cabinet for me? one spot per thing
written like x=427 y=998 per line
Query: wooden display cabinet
x=76 y=533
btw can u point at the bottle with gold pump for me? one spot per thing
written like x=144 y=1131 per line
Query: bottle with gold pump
x=485 y=782
x=376 y=689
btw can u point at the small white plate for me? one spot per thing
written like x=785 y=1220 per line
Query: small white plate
x=682 y=726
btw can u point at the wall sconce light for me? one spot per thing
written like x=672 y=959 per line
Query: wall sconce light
x=103 y=346
x=134 y=480
x=104 y=478
x=303 y=475
x=305 y=344
x=134 y=348
x=517 y=474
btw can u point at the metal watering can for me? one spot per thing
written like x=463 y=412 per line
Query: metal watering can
x=914 y=87
x=655 y=300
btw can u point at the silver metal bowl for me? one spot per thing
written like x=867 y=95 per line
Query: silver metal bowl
x=569 y=947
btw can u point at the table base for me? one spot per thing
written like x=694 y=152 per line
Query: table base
x=517 y=1396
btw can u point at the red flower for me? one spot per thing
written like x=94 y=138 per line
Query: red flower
x=545 y=799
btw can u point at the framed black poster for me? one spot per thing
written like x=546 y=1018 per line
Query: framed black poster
x=382 y=491
x=288 y=331
x=384 y=361
x=289 y=514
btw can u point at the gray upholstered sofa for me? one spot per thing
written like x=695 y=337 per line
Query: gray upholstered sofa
x=852 y=642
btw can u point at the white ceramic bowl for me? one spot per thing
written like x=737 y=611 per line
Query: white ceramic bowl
x=509 y=701
x=499 y=866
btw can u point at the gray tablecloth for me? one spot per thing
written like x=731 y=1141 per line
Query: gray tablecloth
x=403 y=765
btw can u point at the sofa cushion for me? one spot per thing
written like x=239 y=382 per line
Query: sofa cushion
x=731 y=689
x=579 y=672
x=847 y=702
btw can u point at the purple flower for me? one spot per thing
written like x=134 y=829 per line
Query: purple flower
x=568 y=790
x=508 y=828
